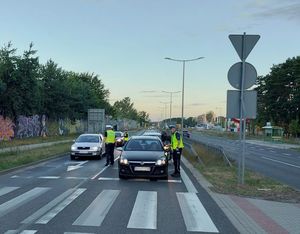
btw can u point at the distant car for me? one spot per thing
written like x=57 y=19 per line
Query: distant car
x=143 y=156
x=88 y=145
x=186 y=133
x=119 y=138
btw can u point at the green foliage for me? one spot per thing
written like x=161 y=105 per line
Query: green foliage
x=29 y=88
x=294 y=127
x=279 y=94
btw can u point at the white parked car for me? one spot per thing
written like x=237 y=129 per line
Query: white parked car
x=88 y=145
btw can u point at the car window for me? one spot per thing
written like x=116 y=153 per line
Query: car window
x=143 y=145
x=88 y=138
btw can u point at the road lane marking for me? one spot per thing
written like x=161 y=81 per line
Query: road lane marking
x=144 y=213
x=188 y=183
x=286 y=154
x=48 y=207
x=103 y=169
x=21 y=200
x=14 y=176
x=52 y=213
x=98 y=209
x=6 y=190
x=77 y=166
x=23 y=232
x=76 y=178
x=288 y=164
x=49 y=177
x=194 y=214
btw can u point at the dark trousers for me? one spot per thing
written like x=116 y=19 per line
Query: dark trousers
x=176 y=160
x=109 y=149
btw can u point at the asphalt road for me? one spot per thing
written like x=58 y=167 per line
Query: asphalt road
x=280 y=164
x=63 y=196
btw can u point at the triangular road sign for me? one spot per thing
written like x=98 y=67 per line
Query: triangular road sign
x=237 y=42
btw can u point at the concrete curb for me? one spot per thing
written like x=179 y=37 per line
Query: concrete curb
x=32 y=163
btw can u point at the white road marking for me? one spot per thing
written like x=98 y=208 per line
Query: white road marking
x=144 y=213
x=14 y=176
x=48 y=207
x=98 y=209
x=288 y=164
x=105 y=178
x=6 y=190
x=194 y=214
x=23 y=232
x=76 y=178
x=20 y=200
x=286 y=154
x=49 y=177
x=103 y=169
x=77 y=166
x=188 y=183
x=51 y=214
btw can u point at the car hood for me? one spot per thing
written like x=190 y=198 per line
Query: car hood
x=86 y=144
x=142 y=155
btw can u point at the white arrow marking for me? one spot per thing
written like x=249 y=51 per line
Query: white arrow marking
x=79 y=165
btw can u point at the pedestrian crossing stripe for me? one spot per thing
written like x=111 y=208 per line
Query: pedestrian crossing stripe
x=21 y=200
x=142 y=216
x=6 y=190
x=23 y=232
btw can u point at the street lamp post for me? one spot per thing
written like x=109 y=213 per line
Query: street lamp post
x=183 y=61
x=165 y=109
x=171 y=94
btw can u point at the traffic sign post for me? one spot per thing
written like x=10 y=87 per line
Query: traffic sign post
x=242 y=104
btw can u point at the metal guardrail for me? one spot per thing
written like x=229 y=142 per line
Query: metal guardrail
x=218 y=149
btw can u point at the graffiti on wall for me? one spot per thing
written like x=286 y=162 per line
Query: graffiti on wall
x=28 y=126
x=36 y=125
x=6 y=129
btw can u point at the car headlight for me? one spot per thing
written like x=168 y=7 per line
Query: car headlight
x=73 y=148
x=95 y=148
x=124 y=161
x=160 y=162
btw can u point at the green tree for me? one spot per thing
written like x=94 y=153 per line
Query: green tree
x=279 y=94
x=210 y=116
x=125 y=109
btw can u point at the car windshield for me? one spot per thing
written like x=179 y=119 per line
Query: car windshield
x=88 y=138
x=143 y=145
x=118 y=134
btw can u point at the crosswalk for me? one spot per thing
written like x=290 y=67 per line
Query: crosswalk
x=143 y=215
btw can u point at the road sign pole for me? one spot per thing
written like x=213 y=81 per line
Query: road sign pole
x=242 y=120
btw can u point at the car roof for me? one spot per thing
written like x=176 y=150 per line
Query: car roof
x=152 y=133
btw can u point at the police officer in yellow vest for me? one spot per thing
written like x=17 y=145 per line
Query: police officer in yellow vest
x=110 y=139
x=176 y=146
x=126 y=136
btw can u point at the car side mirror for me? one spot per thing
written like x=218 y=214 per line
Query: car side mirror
x=119 y=148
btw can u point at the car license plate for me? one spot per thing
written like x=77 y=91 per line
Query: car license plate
x=142 y=168
x=83 y=152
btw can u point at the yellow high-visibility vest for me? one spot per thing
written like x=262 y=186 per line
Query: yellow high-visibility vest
x=126 y=136
x=111 y=136
x=175 y=143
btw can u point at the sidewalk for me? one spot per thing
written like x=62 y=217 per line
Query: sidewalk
x=272 y=144
x=250 y=215
x=32 y=146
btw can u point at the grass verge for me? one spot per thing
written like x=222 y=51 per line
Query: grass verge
x=35 y=140
x=18 y=158
x=224 y=178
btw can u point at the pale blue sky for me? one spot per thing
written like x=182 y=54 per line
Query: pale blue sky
x=125 y=42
